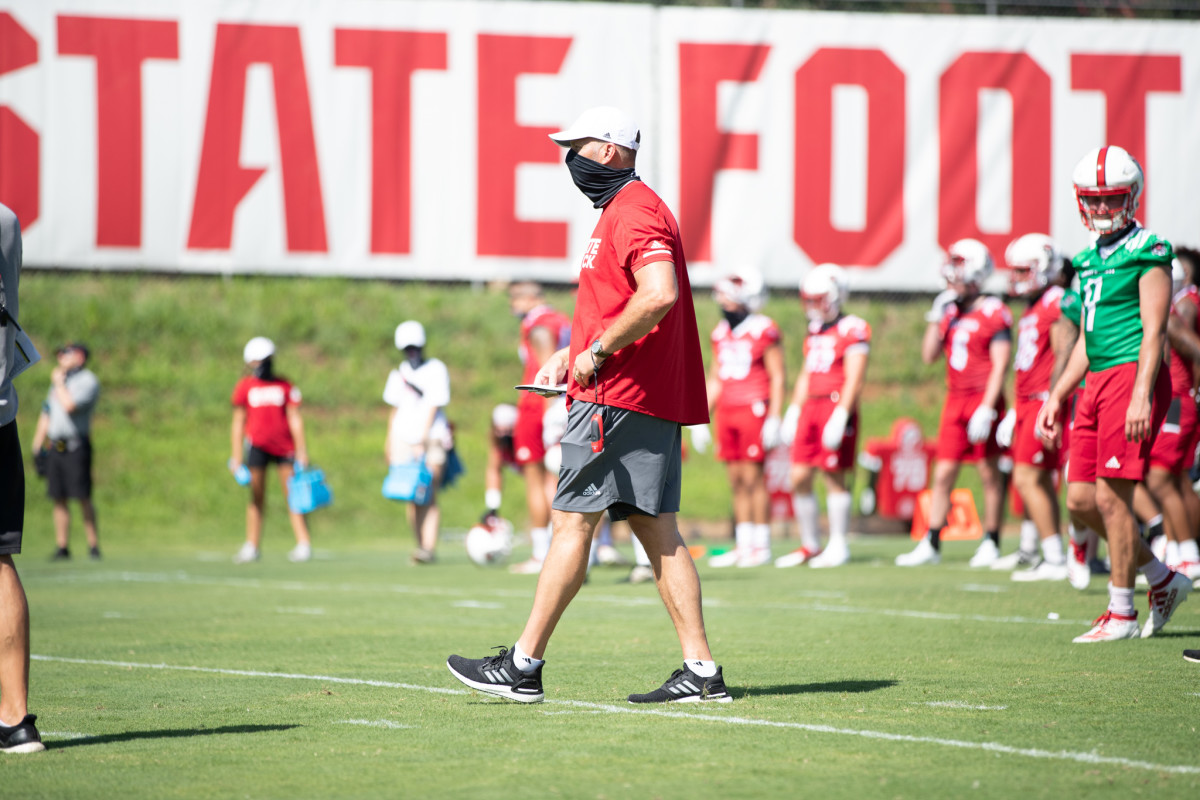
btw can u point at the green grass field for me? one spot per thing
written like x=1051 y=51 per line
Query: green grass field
x=183 y=676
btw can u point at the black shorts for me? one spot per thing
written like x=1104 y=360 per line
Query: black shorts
x=69 y=471
x=12 y=490
x=257 y=459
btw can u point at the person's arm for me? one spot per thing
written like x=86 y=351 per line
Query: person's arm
x=656 y=293
x=855 y=362
x=296 y=426
x=1063 y=335
x=58 y=385
x=777 y=377
x=1154 y=301
x=39 y=433
x=1181 y=332
x=1047 y=424
x=237 y=435
x=999 y=352
x=931 y=344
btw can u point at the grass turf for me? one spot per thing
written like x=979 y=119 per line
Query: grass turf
x=183 y=676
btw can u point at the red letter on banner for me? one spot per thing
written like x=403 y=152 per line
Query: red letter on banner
x=119 y=47
x=1128 y=79
x=503 y=144
x=223 y=182
x=19 y=145
x=703 y=149
x=392 y=57
x=884 y=85
x=959 y=163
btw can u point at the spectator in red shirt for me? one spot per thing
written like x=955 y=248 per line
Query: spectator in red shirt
x=636 y=377
x=267 y=429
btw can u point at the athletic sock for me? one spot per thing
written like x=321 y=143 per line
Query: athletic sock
x=837 y=507
x=1120 y=601
x=1052 y=549
x=1156 y=572
x=743 y=535
x=639 y=553
x=995 y=537
x=935 y=537
x=807 y=518
x=702 y=669
x=1078 y=535
x=524 y=662
x=1154 y=527
x=1189 y=551
x=540 y=537
x=1029 y=537
x=762 y=537
x=1172 y=554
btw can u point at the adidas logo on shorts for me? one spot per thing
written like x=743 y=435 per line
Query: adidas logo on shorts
x=590 y=490
x=1112 y=463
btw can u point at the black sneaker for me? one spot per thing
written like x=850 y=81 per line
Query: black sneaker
x=94 y=553
x=685 y=686
x=498 y=675
x=22 y=737
x=1191 y=655
x=61 y=554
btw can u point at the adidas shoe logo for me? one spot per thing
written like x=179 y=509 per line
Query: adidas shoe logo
x=590 y=490
x=498 y=675
x=1112 y=463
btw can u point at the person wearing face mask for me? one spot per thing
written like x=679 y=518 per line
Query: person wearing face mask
x=635 y=376
x=267 y=429
x=974 y=333
x=745 y=388
x=821 y=423
x=418 y=391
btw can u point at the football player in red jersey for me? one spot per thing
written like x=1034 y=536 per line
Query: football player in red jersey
x=544 y=331
x=974 y=332
x=822 y=422
x=1036 y=275
x=745 y=388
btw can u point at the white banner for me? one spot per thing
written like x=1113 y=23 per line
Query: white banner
x=372 y=138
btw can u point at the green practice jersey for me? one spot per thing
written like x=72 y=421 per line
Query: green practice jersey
x=1108 y=279
x=1071 y=306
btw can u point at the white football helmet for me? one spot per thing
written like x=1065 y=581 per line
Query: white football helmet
x=823 y=292
x=490 y=541
x=745 y=286
x=968 y=261
x=1035 y=262
x=1108 y=187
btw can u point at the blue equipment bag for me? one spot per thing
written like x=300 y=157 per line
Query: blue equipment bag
x=410 y=482
x=307 y=490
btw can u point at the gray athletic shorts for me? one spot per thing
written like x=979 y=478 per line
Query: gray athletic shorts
x=636 y=472
x=12 y=491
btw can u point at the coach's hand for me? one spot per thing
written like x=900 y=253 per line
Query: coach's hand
x=554 y=371
x=1006 y=428
x=979 y=427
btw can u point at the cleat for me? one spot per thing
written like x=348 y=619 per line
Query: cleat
x=1191 y=655
x=1018 y=560
x=1109 y=627
x=641 y=574
x=299 y=553
x=985 y=555
x=797 y=557
x=22 y=737
x=729 y=558
x=247 y=554
x=422 y=556
x=94 y=553
x=1164 y=599
x=1044 y=571
x=609 y=556
x=498 y=675
x=923 y=553
x=531 y=567
x=685 y=686
x=61 y=554
x=833 y=556
x=1189 y=569
x=754 y=557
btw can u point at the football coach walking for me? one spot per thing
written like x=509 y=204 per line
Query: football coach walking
x=635 y=375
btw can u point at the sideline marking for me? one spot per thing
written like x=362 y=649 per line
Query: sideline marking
x=373 y=723
x=960 y=704
x=522 y=594
x=475 y=604
x=988 y=588
x=989 y=747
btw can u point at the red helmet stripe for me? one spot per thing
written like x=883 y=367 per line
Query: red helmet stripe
x=1100 y=159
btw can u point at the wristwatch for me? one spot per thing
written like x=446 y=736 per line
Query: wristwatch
x=598 y=350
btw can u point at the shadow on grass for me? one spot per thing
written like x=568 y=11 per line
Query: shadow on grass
x=172 y=733
x=831 y=687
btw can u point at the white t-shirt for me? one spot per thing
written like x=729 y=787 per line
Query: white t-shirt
x=413 y=392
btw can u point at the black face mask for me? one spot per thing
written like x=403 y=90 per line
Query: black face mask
x=598 y=182
x=265 y=370
x=735 y=318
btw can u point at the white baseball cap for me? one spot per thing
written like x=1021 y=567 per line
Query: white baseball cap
x=410 y=334
x=504 y=415
x=605 y=123
x=257 y=349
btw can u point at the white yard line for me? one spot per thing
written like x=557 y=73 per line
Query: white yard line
x=960 y=704
x=374 y=723
x=989 y=747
